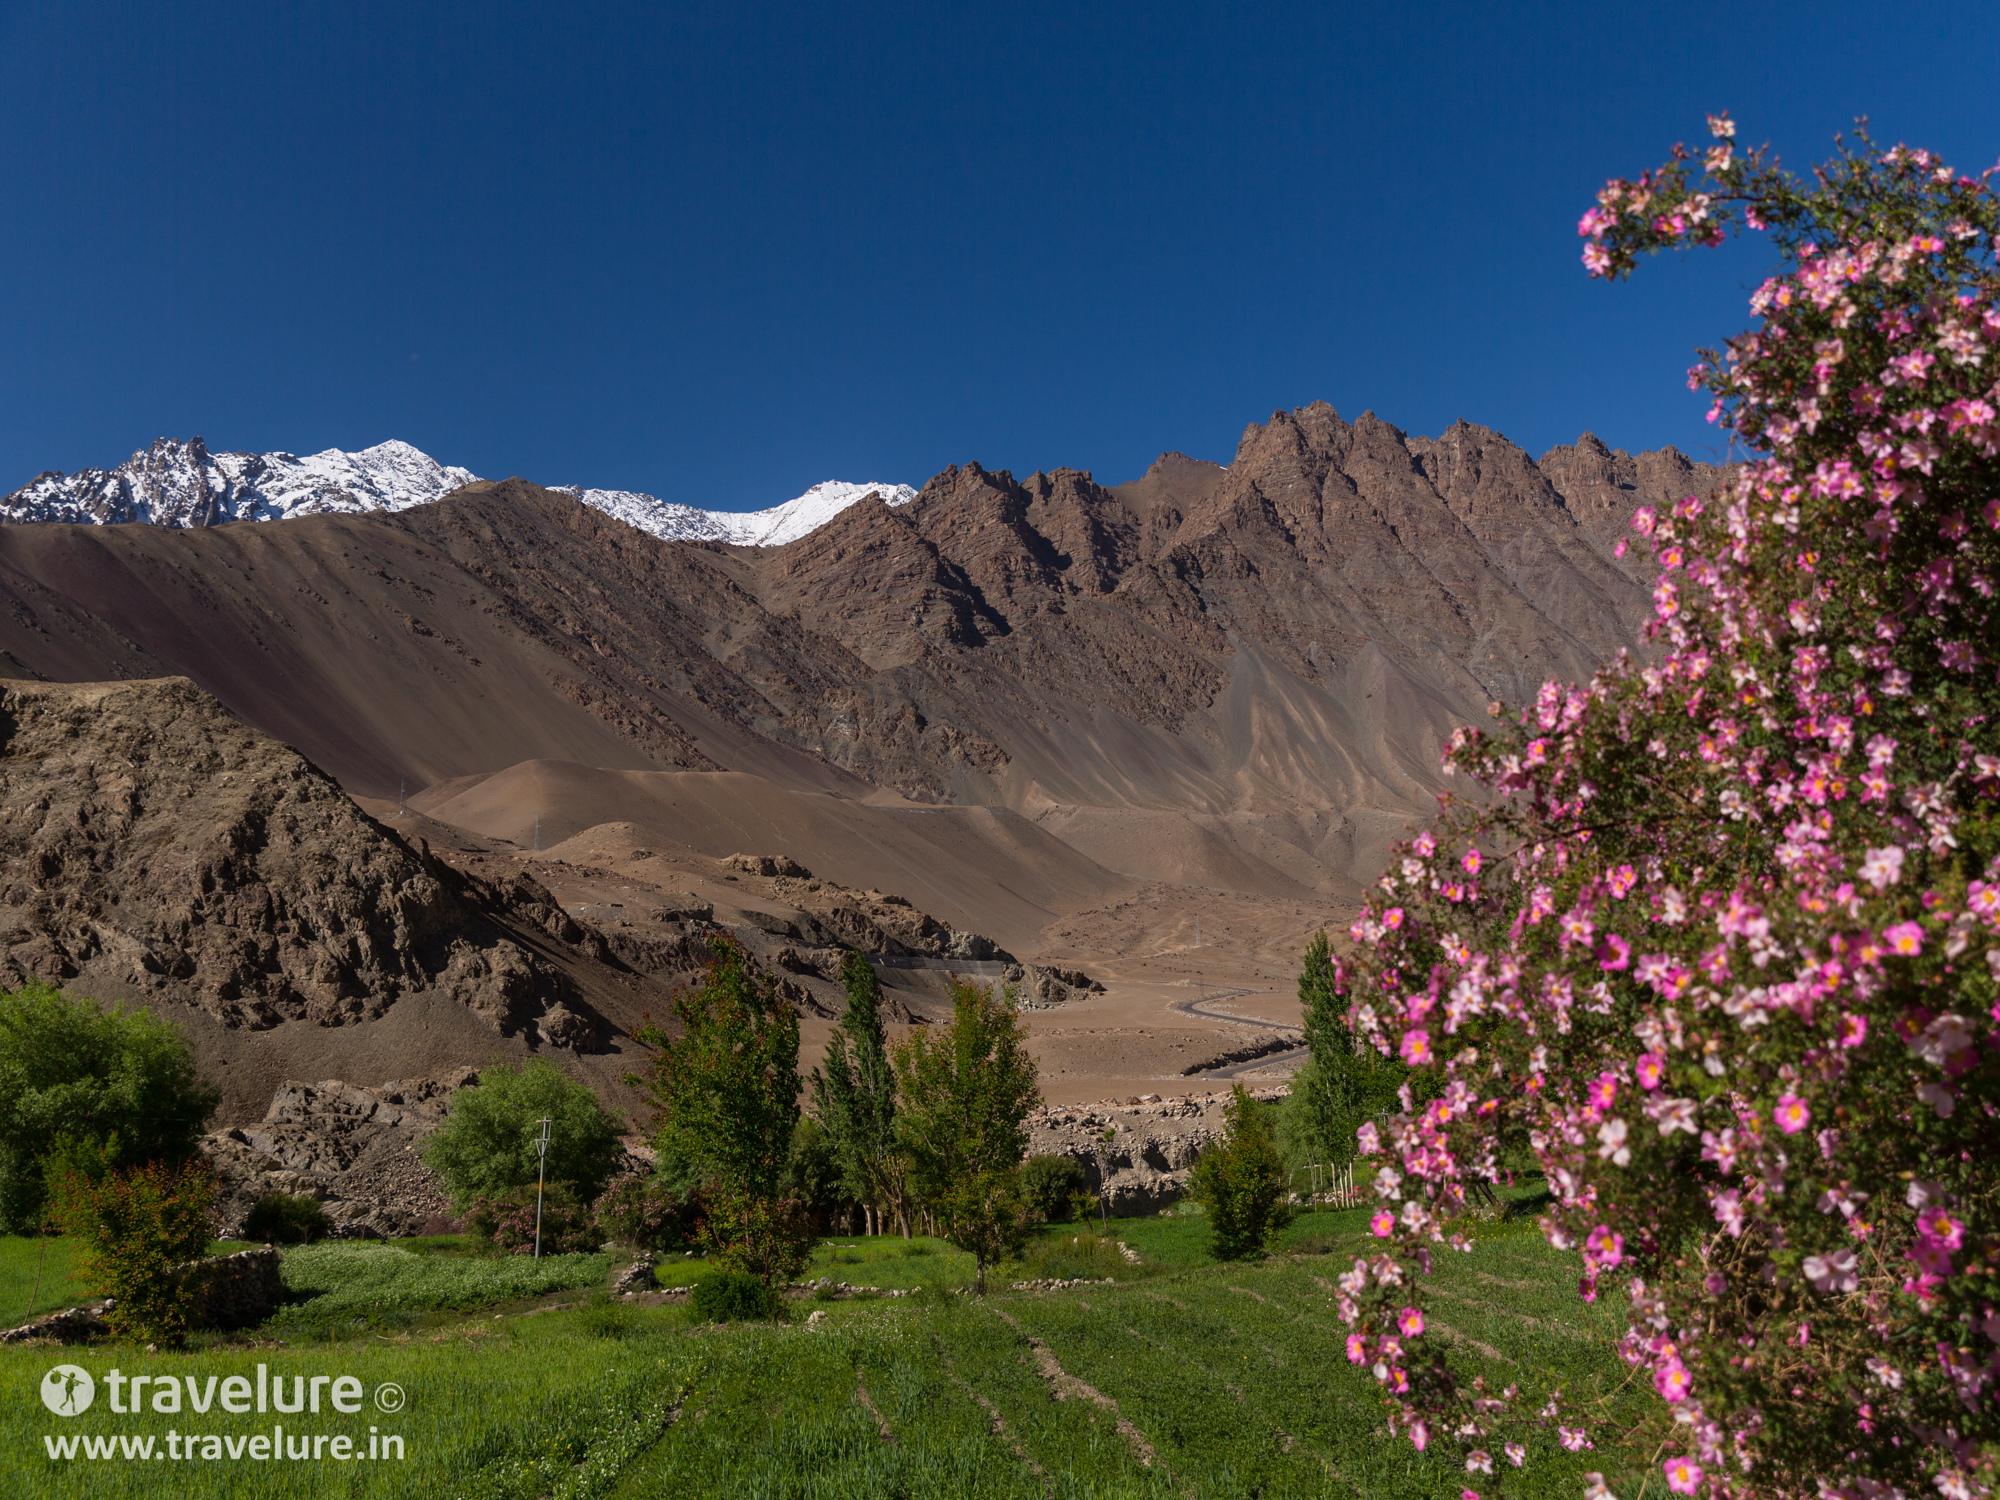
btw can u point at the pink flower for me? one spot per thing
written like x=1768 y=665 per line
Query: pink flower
x=1883 y=867
x=1595 y=222
x=1393 y=918
x=1614 y=953
x=1416 y=1048
x=1853 y=1029
x=1931 y=1256
x=1357 y=1349
x=1573 y=1438
x=1672 y=1381
x=1603 y=1247
x=1684 y=1475
x=1603 y=1089
x=1470 y=864
x=1832 y=1273
x=1411 y=1321
x=1651 y=1066
x=1419 y=1435
x=1942 y=1227
x=1791 y=1115
x=1622 y=880
x=1383 y=1224
x=1905 y=939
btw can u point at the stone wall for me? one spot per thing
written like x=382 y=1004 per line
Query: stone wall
x=237 y=1290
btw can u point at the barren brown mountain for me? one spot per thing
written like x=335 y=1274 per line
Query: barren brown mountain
x=1072 y=718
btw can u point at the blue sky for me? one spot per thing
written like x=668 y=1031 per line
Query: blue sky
x=719 y=253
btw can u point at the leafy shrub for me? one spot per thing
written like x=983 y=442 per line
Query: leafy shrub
x=346 y=1279
x=119 y=1080
x=1314 y=1244
x=1074 y=1257
x=1734 y=982
x=1240 y=1183
x=642 y=1212
x=286 y=1219
x=730 y=1296
x=507 y=1222
x=605 y=1316
x=487 y=1142
x=142 y=1228
x=1049 y=1184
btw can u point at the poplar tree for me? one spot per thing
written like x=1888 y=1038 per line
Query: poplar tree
x=854 y=1094
x=1346 y=1082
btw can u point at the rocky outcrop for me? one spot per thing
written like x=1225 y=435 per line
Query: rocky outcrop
x=1144 y=1167
x=355 y=1149
x=152 y=843
x=1037 y=988
x=1603 y=486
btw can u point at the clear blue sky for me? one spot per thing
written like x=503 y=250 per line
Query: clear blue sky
x=720 y=252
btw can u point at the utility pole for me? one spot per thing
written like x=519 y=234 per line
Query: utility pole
x=1197 y=929
x=541 y=1178
x=402 y=796
x=538 y=833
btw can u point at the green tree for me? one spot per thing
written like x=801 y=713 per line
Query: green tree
x=122 y=1080
x=984 y=1214
x=1346 y=1082
x=143 y=1230
x=1240 y=1183
x=725 y=1094
x=487 y=1142
x=854 y=1094
x=965 y=1089
x=812 y=1174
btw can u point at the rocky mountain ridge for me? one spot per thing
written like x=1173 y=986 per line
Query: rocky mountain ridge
x=1233 y=676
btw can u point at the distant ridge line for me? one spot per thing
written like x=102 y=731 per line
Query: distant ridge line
x=182 y=484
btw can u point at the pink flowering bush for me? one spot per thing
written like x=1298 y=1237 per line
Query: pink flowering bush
x=1725 y=967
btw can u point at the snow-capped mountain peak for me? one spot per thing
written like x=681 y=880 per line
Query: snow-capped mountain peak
x=182 y=484
x=176 y=483
x=758 y=528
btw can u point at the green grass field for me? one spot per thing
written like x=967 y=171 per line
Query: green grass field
x=1185 y=1377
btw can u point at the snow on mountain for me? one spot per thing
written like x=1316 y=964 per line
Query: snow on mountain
x=182 y=484
x=758 y=528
